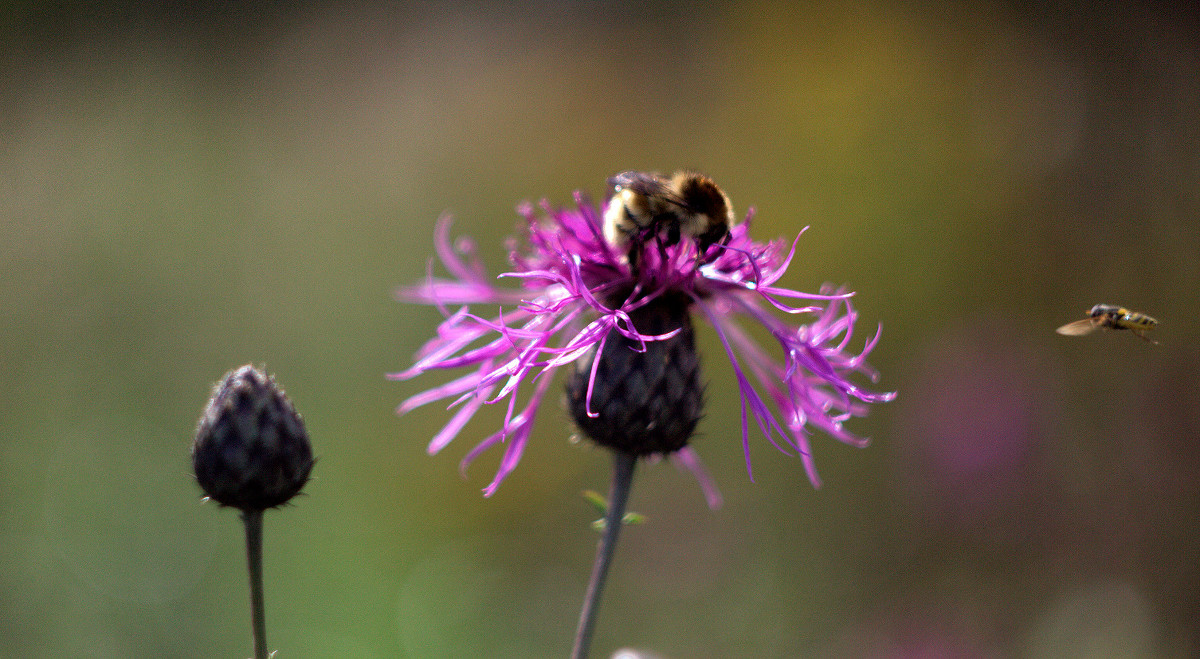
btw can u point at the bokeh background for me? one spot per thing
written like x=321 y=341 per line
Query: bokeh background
x=190 y=189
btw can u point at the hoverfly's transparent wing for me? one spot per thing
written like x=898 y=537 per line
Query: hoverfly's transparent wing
x=1078 y=327
x=1141 y=334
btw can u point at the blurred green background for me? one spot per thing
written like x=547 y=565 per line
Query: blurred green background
x=188 y=190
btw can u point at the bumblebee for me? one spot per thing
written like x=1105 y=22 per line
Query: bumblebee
x=649 y=206
x=1111 y=317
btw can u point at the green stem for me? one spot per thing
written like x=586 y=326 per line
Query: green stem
x=253 y=520
x=623 y=464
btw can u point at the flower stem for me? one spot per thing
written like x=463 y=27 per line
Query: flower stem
x=623 y=464
x=253 y=520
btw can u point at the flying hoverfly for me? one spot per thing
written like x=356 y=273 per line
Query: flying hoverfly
x=1111 y=317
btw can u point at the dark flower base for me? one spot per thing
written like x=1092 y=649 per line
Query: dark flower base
x=646 y=402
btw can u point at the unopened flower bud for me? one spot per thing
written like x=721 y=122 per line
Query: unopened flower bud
x=251 y=450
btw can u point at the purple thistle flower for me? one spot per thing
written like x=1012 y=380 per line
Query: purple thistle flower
x=576 y=293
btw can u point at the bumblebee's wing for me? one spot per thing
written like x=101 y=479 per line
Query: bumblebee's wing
x=650 y=185
x=1078 y=327
x=643 y=183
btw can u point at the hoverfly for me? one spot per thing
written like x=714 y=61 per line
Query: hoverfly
x=1111 y=317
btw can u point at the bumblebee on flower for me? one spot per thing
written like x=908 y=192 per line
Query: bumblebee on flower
x=609 y=294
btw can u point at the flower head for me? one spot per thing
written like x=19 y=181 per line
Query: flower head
x=577 y=302
x=251 y=450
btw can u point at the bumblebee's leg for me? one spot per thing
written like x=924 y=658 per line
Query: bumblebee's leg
x=635 y=251
x=662 y=245
x=672 y=231
x=705 y=242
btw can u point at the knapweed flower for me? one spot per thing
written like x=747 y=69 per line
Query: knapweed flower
x=625 y=336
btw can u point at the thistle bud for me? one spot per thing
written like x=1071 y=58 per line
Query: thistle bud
x=251 y=450
x=644 y=402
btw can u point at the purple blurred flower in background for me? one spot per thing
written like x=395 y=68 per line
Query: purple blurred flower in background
x=577 y=297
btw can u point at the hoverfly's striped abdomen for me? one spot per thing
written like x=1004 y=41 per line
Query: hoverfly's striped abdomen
x=1112 y=317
